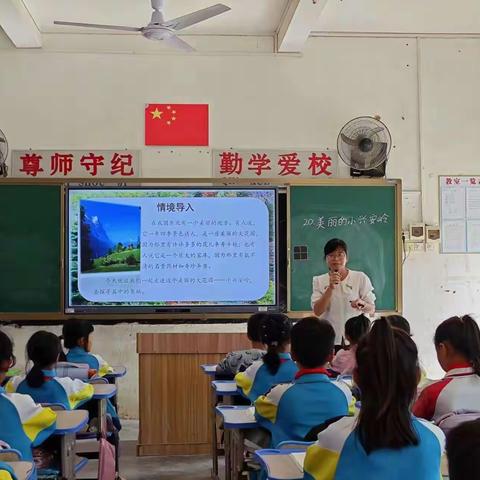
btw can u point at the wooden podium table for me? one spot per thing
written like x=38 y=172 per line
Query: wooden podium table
x=174 y=392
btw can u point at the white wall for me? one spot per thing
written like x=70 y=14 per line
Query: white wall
x=66 y=97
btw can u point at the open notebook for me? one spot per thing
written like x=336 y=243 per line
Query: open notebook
x=299 y=459
x=238 y=415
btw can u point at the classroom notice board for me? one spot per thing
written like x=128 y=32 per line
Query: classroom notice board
x=460 y=213
x=30 y=245
x=367 y=216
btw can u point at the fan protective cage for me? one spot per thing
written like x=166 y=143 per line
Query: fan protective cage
x=370 y=130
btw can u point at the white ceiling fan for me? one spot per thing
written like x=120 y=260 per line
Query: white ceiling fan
x=158 y=28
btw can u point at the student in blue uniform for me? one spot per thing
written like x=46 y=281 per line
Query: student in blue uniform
x=386 y=441
x=276 y=366
x=291 y=410
x=41 y=382
x=77 y=339
x=24 y=424
x=6 y=472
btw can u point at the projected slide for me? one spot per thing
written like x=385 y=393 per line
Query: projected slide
x=139 y=247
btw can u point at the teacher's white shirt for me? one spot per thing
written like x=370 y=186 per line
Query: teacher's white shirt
x=356 y=285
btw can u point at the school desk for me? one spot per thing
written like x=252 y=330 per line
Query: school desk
x=119 y=371
x=236 y=419
x=283 y=464
x=101 y=393
x=70 y=422
x=226 y=389
x=209 y=369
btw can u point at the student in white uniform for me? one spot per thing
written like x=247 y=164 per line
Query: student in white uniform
x=341 y=293
x=457 y=341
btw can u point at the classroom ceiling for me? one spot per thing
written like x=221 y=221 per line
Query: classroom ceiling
x=405 y=16
x=287 y=24
x=247 y=17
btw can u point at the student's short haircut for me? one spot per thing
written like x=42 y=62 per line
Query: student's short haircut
x=312 y=341
x=254 y=326
x=357 y=327
x=333 y=244
x=400 y=322
x=463 y=451
x=75 y=329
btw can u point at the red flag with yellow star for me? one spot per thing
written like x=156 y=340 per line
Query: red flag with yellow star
x=176 y=124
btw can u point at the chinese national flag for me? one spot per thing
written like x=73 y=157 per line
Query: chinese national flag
x=176 y=124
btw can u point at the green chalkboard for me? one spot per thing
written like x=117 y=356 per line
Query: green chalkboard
x=30 y=240
x=364 y=216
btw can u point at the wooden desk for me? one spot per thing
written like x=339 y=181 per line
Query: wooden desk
x=175 y=393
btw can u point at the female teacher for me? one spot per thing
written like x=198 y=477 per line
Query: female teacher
x=341 y=293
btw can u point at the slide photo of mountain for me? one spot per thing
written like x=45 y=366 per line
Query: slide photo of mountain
x=109 y=237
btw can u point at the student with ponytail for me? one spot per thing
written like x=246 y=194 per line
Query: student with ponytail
x=276 y=366
x=24 y=424
x=384 y=440
x=41 y=382
x=290 y=410
x=457 y=342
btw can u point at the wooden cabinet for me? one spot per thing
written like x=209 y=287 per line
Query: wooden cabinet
x=174 y=392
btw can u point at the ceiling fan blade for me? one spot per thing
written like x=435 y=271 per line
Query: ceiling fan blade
x=96 y=25
x=349 y=141
x=175 y=42
x=197 y=17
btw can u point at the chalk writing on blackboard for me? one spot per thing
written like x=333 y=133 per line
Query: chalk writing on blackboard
x=343 y=221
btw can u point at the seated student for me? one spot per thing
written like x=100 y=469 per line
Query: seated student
x=41 y=382
x=463 y=451
x=276 y=366
x=240 y=360
x=77 y=339
x=291 y=410
x=400 y=322
x=24 y=424
x=457 y=342
x=355 y=328
x=385 y=441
